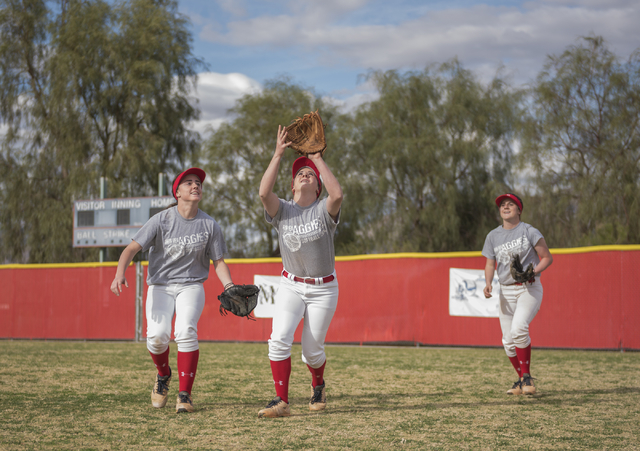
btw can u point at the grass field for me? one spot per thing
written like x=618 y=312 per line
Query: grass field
x=96 y=396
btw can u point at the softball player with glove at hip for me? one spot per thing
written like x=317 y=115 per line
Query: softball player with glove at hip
x=181 y=241
x=308 y=286
x=519 y=302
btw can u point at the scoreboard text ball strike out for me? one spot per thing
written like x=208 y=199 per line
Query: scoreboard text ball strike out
x=113 y=222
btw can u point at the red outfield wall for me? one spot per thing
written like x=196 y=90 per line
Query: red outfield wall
x=590 y=301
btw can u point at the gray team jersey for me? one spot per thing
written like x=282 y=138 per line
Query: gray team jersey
x=501 y=245
x=179 y=248
x=305 y=235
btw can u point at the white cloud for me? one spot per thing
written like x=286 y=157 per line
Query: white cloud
x=217 y=93
x=196 y=18
x=477 y=35
x=276 y=30
x=358 y=35
x=349 y=104
x=321 y=12
x=604 y=4
x=235 y=7
x=272 y=30
x=352 y=99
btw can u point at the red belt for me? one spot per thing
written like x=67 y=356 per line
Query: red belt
x=311 y=280
x=533 y=279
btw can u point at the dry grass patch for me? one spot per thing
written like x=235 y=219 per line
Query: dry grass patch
x=96 y=395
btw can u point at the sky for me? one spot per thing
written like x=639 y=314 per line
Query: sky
x=329 y=45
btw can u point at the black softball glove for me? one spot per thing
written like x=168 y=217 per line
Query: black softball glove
x=239 y=300
x=519 y=274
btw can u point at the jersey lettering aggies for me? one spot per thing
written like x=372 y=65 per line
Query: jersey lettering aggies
x=295 y=236
x=188 y=239
x=180 y=246
x=303 y=229
x=505 y=251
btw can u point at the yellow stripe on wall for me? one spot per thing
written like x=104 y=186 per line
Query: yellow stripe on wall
x=254 y=260
x=346 y=258
x=59 y=265
x=586 y=249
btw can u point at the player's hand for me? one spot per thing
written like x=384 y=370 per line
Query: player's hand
x=281 y=143
x=116 y=285
x=487 y=291
x=315 y=156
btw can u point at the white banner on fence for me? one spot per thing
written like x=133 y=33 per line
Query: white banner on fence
x=267 y=297
x=466 y=297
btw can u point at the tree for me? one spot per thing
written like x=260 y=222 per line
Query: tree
x=87 y=90
x=424 y=161
x=239 y=152
x=581 y=142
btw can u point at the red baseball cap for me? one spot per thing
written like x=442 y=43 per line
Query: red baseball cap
x=196 y=171
x=511 y=196
x=303 y=162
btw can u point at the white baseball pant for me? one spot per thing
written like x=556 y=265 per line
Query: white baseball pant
x=295 y=300
x=187 y=301
x=519 y=304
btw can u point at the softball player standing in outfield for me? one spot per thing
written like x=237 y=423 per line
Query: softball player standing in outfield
x=308 y=286
x=519 y=302
x=181 y=241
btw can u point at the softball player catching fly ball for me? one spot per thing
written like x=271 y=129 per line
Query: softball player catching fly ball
x=181 y=241
x=308 y=286
x=519 y=302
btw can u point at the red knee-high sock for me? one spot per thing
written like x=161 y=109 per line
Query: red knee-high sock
x=187 y=367
x=516 y=364
x=281 y=371
x=524 y=356
x=161 y=362
x=318 y=375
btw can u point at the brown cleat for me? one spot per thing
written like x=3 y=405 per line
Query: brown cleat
x=184 y=403
x=160 y=391
x=516 y=389
x=527 y=384
x=276 y=408
x=318 y=399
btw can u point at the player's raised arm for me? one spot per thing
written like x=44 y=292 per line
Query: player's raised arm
x=123 y=263
x=331 y=184
x=267 y=196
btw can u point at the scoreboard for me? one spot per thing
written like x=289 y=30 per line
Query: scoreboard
x=113 y=222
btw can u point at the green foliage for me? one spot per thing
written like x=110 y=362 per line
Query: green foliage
x=582 y=143
x=87 y=91
x=90 y=89
x=239 y=152
x=424 y=161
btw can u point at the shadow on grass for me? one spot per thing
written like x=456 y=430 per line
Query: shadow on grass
x=345 y=403
x=398 y=401
x=382 y=398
